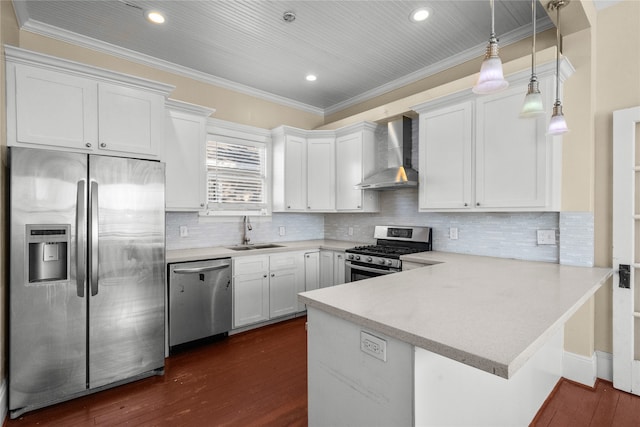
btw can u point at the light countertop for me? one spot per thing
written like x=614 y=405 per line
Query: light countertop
x=186 y=255
x=489 y=313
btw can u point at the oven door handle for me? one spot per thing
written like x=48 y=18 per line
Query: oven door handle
x=370 y=270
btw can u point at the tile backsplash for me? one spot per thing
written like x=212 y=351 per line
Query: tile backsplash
x=506 y=235
x=205 y=231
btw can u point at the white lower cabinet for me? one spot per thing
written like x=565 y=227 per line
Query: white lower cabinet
x=311 y=274
x=266 y=286
x=331 y=268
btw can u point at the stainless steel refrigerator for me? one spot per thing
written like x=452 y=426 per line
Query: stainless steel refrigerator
x=86 y=292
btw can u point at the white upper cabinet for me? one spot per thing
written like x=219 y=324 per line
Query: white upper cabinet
x=477 y=154
x=289 y=170
x=321 y=173
x=511 y=153
x=58 y=104
x=130 y=120
x=355 y=160
x=446 y=137
x=184 y=154
x=53 y=108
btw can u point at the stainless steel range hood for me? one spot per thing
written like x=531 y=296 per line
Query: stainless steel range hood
x=399 y=173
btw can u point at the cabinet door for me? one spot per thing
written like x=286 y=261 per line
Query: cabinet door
x=348 y=171
x=250 y=299
x=311 y=274
x=54 y=109
x=295 y=183
x=326 y=269
x=510 y=154
x=445 y=158
x=283 y=291
x=185 y=141
x=130 y=120
x=338 y=268
x=321 y=191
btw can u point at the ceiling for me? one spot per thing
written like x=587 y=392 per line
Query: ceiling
x=358 y=49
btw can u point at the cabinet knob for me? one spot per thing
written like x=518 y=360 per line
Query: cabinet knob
x=273 y=274
x=466 y=204
x=264 y=276
x=202 y=205
x=358 y=206
x=88 y=145
x=478 y=204
x=308 y=207
x=103 y=145
x=288 y=207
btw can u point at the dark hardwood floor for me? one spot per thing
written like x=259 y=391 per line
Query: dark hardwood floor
x=258 y=378
x=574 y=405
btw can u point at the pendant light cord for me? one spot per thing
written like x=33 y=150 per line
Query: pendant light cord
x=558 y=51
x=493 y=20
x=533 y=44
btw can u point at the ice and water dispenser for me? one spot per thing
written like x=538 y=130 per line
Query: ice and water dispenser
x=48 y=252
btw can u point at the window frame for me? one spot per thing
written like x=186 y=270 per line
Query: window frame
x=242 y=135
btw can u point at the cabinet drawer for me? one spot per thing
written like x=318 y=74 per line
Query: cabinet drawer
x=250 y=265
x=284 y=261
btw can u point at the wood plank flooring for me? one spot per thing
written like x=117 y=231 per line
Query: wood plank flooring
x=258 y=378
x=574 y=405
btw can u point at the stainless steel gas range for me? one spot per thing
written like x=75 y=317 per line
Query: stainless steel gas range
x=363 y=262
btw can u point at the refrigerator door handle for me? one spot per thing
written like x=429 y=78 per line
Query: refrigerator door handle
x=93 y=263
x=81 y=238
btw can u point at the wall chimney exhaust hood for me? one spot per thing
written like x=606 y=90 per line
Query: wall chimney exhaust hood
x=399 y=173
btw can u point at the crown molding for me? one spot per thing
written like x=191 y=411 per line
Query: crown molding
x=188 y=107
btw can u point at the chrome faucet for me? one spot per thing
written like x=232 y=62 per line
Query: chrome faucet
x=246 y=227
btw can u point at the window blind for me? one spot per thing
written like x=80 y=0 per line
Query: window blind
x=236 y=177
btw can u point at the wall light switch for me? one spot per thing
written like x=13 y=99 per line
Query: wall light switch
x=184 y=231
x=546 y=237
x=282 y=231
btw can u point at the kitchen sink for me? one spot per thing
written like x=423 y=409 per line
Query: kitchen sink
x=251 y=247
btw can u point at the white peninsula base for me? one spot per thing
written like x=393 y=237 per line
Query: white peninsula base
x=415 y=386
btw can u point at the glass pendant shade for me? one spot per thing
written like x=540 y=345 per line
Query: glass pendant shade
x=532 y=106
x=491 y=78
x=557 y=124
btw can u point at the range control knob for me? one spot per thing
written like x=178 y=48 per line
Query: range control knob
x=357 y=257
x=389 y=262
x=350 y=256
x=382 y=261
x=369 y=259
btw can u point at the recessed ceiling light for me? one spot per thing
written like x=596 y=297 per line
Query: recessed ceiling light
x=311 y=77
x=154 y=16
x=420 y=14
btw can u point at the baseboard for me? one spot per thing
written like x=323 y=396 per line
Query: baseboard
x=605 y=365
x=4 y=402
x=581 y=369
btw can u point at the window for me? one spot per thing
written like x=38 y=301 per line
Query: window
x=236 y=176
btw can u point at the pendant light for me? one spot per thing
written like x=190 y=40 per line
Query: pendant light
x=557 y=124
x=532 y=106
x=491 y=78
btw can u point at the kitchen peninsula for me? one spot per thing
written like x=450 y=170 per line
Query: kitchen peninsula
x=467 y=340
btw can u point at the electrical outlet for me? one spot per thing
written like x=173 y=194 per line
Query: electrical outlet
x=374 y=346
x=546 y=237
x=184 y=231
x=282 y=231
x=350 y=231
x=453 y=233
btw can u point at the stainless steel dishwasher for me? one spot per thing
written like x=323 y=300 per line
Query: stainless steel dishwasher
x=199 y=300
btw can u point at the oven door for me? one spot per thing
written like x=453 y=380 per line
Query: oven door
x=354 y=271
